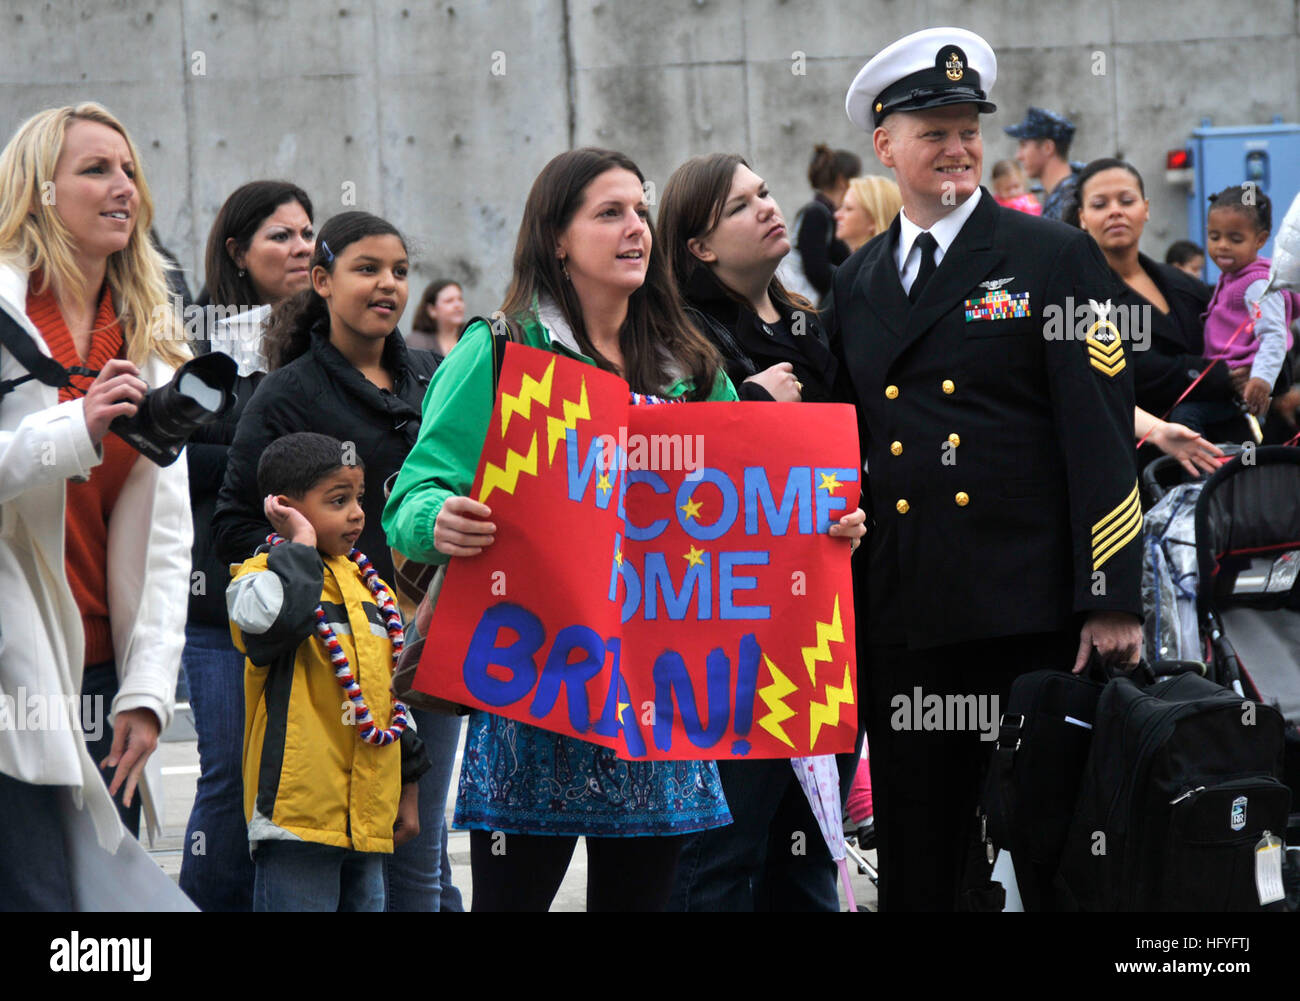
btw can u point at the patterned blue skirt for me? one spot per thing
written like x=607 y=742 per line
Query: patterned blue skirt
x=519 y=779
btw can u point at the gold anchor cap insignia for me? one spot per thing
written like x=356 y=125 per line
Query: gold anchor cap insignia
x=954 y=67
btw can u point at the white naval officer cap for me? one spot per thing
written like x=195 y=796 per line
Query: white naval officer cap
x=926 y=69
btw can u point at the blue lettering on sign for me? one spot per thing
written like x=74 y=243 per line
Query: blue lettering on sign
x=729 y=582
x=677 y=603
x=559 y=671
x=633 y=597
x=638 y=533
x=579 y=479
x=827 y=502
x=516 y=658
x=758 y=496
x=671 y=678
x=730 y=506
x=608 y=724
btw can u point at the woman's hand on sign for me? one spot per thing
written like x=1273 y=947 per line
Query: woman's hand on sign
x=853 y=526
x=780 y=382
x=462 y=528
x=116 y=392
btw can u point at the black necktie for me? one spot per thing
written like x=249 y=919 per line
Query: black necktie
x=927 y=244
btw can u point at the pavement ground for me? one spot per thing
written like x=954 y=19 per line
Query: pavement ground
x=179 y=758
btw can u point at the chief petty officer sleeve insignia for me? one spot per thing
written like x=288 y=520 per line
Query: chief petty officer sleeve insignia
x=1117 y=529
x=1105 y=351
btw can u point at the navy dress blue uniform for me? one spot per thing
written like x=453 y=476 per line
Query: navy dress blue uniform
x=1003 y=499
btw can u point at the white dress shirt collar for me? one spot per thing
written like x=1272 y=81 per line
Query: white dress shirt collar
x=944 y=231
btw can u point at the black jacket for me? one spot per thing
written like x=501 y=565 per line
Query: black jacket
x=1000 y=464
x=747 y=348
x=818 y=247
x=207 y=453
x=1175 y=355
x=322 y=391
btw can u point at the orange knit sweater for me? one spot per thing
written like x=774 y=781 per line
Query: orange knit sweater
x=89 y=504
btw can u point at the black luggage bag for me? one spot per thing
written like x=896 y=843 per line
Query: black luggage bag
x=1035 y=772
x=1180 y=785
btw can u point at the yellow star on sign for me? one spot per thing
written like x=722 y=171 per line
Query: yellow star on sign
x=829 y=483
x=618 y=556
x=692 y=509
x=695 y=556
x=622 y=707
x=603 y=482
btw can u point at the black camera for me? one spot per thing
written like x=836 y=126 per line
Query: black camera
x=201 y=391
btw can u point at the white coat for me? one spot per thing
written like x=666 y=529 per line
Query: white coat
x=43 y=443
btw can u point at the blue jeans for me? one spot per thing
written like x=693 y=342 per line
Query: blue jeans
x=305 y=876
x=757 y=863
x=216 y=871
x=99 y=682
x=34 y=874
x=1201 y=415
x=417 y=874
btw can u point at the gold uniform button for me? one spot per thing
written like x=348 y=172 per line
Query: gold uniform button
x=891 y=392
x=949 y=387
x=901 y=506
x=954 y=439
x=896 y=448
x=962 y=498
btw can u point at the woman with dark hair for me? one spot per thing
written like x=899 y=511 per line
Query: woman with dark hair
x=257 y=256
x=816 y=250
x=725 y=237
x=339 y=366
x=590 y=283
x=1163 y=303
x=439 y=319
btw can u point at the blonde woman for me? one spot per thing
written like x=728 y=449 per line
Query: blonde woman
x=869 y=207
x=94 y=538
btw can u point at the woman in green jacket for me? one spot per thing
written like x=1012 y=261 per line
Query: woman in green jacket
x=589 y=283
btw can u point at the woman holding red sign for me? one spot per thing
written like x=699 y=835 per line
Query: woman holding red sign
x=589 y=284
x=726 y=237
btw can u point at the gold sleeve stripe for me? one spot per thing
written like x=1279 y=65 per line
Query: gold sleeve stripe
x=1124 y=505
x=1106 y=358
x=1131 y=527
x=1105 y=367
x=1117 y=529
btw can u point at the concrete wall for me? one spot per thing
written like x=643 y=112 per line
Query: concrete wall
x=437 y=115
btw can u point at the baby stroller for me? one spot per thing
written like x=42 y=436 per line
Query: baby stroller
x=1247 y=527
x=1220 y=585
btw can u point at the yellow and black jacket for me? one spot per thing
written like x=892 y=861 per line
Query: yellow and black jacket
x=307 y=774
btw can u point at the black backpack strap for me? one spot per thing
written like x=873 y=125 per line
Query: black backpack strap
x=39 y=366
x=500 y=338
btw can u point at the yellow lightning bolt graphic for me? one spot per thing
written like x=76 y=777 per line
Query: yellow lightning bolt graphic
x=772 y=695
x=828 y=712
x=556 y=429
x=529 y=390
x=821 y=653
x=494 y=476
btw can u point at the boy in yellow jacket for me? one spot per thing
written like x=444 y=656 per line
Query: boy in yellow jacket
x=330 y=766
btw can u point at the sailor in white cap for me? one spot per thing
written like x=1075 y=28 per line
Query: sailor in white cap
x=998 y=439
